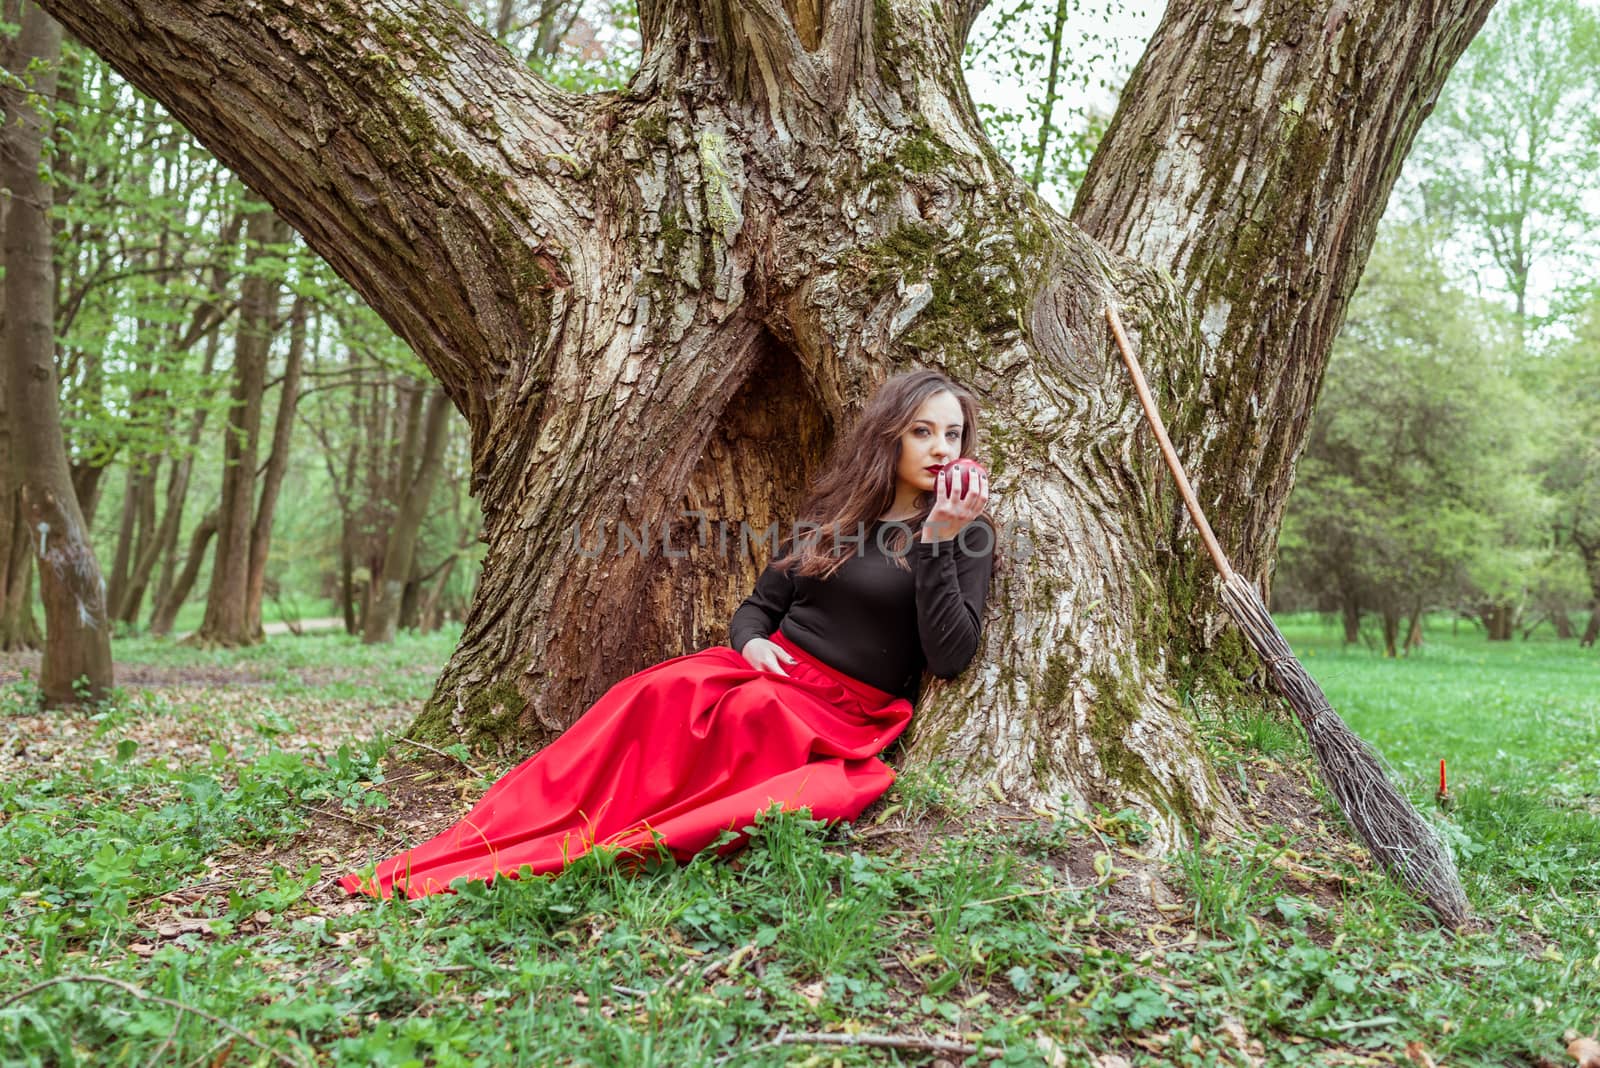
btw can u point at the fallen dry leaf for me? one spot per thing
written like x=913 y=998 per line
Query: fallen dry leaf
x=1418 y=1055
x=1111 y=1060
x=1234 y=1034
x=1051 y=1051
x=1584 y=1050
x=813 y=992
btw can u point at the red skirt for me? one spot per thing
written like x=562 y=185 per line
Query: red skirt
x=684 y=750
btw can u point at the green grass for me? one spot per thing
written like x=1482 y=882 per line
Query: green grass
x=1278 y=948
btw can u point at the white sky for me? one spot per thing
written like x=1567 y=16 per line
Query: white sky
x=1119 y=30
x=1103 y=40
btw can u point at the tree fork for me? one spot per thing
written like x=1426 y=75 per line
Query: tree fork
x=653 y=300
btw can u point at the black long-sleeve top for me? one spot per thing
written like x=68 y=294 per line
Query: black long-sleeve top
x=874 y=621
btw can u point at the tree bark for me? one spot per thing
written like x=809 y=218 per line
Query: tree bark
x=667 y=300
x=228 y=621
x=77 y=650
x=383 y=615
x=19 y=631
x=277 y=463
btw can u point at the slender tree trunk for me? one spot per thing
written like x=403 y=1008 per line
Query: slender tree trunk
x=1414 y=629
x=347 y=577
x=166 y=545
x=659 y=306
x=167 y=610
x=227 y=620
x=277 y=465
x=1350 y=613
x=77 y=650
x=146 y=538
x=1591 y=563
x=1391 y=633
x=1562 y=622
x=429 y=614
x=1059 y=29
x=116 y=585
x=400 y=550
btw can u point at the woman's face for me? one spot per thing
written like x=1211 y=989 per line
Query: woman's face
x=932 y=440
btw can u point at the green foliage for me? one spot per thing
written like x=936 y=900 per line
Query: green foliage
x=1511 y=153
x=1568 y=381
x=1415 y=489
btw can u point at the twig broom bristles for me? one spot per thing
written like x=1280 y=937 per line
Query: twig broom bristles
x=1398 y=837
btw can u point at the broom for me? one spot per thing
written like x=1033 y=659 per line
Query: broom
x=1397 y=836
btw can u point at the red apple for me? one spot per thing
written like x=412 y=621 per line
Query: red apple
x=963 y=475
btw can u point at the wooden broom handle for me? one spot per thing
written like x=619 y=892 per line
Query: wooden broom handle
x=1168 y=453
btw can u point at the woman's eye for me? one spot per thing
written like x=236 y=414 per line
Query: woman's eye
x=921 y=432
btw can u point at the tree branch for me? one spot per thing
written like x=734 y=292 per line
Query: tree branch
x=1262 y=141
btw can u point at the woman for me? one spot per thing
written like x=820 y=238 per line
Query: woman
x=831 y=646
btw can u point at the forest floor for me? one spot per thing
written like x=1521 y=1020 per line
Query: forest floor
x=167 y=867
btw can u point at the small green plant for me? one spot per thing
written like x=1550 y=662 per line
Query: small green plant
x=22 y=696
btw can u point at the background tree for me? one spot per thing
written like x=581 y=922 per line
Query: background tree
x=1416 y=470
x=233 y=604
x=1572 y=466
x=660 y=298
x=421 y=456
x=77 y=651
x=1515 y=144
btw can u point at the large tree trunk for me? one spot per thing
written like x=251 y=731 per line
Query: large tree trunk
x=77 y=650
x=228 y=621
x=383 y=613
x=668 y=300
x=19 y=631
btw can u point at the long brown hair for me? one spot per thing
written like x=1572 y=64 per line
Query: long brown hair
x=857 y=483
